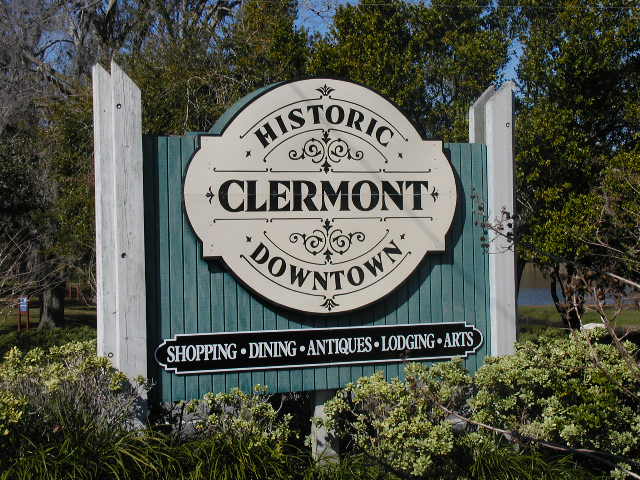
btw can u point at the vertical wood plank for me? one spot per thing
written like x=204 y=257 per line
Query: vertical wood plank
x=479 y=310
x=257 y=324
x=457 y=307
x=205 y=383
x=308 y=374
x=446 y=285
x=457 y=267
x=244 y=324
x=164 y=300
x=320 y=374
x=391 y=318
x=230 y=320
x=216 y=285
x=344 y=372
x=467 y=266
x=270 y=376
x=333 y=373
x=131 y=301
x=105 y=205
x=500 y=173
x=488 y=332
x=425 y=290
x=152 y=273
x=435 y=287
x=477 y=133
x=174 y=183
x=402 y=313
x=295 y=321
x=189 y=268
x=413 y=288
x=284 y=380
x=357 y=371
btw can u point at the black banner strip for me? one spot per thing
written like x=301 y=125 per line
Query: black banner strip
x=316 y=347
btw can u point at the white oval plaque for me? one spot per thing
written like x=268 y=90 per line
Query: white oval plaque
x=320 y=196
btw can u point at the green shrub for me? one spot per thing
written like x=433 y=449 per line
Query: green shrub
x=242 y=415
x=578 y=392
x=66 y=410
x=234 y=436
x=350 y=467
x=66 y=413
x=400 y=426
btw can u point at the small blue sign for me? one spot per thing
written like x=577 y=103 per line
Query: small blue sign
x=23 y=304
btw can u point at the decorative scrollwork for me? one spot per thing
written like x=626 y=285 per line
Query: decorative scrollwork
x=341 y=242
x=313 y=242
x=339 y=149
x=312 y=148
x=329 y=242
x=326 y=149
x=329 y=304
x=325 y=90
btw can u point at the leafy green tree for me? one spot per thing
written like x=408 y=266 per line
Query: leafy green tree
x=432 y=60
x=23 y=191
x=579 y=75
x=48 y=48
x=189 y=79
x=264 y=45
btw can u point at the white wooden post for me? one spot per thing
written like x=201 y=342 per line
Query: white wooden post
x=321 y=448
x=477 y=115
x=121 y=309
x=491 y=122
x=105 y=219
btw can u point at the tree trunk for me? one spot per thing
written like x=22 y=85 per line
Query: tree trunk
x=567 y=310
x=520 y=264
x=52 y=307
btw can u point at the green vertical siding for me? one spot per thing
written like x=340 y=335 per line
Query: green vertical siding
x=187 y=294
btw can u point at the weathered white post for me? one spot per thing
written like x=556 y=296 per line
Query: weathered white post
x=120 y=261
x=321 y=447
x=491 y=122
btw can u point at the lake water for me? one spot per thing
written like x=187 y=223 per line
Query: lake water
x=534 y=288
x=534 y=296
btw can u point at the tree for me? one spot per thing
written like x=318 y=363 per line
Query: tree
x=264 y=45
x=24 y=200
x=579 y=75
x=199 y=70
x=47 y=50
x=432 y=60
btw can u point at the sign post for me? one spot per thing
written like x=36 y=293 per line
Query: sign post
x=491 y=122
x=23 y=307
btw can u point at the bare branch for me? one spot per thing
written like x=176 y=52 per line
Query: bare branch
x=623 y=280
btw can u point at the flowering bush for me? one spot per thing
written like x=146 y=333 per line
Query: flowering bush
x=66 y=388
x=518 y=411
x=60 y=409
x=397 y=424
x=577 y=391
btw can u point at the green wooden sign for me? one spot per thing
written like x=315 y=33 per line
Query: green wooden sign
x=188 y=294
